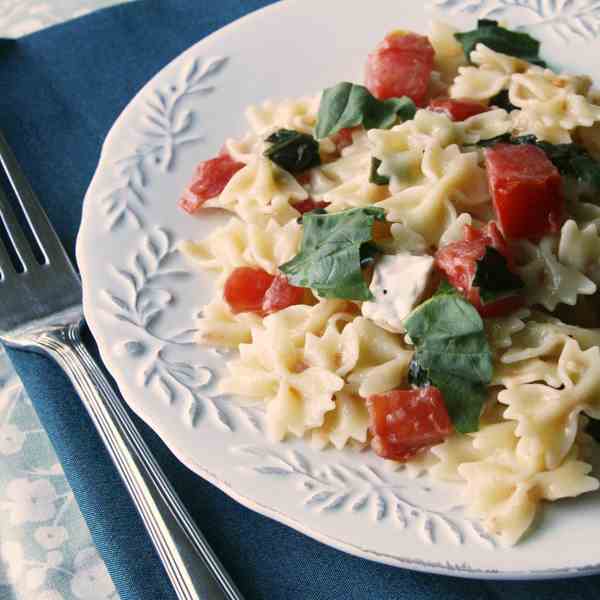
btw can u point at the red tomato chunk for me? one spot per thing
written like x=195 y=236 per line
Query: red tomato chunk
x=400 y=66
x=309 y=204
x=458 y=110
x=459 y=262
x=250 y=289
x=404 y=422
x=343 y=138
x=245 y=289
x=282 y=294
x=209 y=180
x=526 y=190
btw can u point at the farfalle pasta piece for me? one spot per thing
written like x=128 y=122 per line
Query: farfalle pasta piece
x=552 y=105
x=491 y=75
x=526 y=371
x=259 y=192
x=548 y=281
x=499 y=330
x=275 y=368
x=449 y=177
x=298 y=113
x=503 y=487
x=348 y=421
x=579 y=248
x=381 y=358
x=219 y=327
x=547 y=418
x=240 y=244
x=507 y=497
x=449 y=55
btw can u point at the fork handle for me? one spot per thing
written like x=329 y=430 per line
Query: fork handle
x=194 y=570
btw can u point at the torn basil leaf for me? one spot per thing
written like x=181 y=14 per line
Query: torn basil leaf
x=349 y=105
x=453 y=354
x=293 y=151
x=513 y=43
x=329 y=260
x=374 y=176
x=501 y=100
x=493 y=277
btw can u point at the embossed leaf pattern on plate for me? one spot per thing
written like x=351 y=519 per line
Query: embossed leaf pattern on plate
x=163 y=128
x=568 y=19
x=362 y=488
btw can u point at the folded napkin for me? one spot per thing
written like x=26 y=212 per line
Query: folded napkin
x=60 y=91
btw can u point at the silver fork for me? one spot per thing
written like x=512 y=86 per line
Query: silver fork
x=42 y=312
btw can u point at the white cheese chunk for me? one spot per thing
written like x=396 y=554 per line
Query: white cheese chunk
x=398 y=284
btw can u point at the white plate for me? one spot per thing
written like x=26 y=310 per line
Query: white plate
x=141 y=297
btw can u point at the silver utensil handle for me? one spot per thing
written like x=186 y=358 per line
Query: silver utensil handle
x=193 y=568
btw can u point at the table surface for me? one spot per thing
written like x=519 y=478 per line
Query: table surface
x=46 y=550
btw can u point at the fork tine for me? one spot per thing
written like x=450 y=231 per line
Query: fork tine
x=6 y=266
x=40 y=225
x=15 y=233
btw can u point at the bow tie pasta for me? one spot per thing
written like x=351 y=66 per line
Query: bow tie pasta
x=411 y=266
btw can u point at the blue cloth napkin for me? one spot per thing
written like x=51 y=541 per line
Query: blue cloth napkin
x=60 y=91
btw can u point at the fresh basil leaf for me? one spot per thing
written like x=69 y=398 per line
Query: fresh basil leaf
x=293 y=151
x=329 y=260
x=586 y=170
x=493 y=277
x=503 y=138
x=368 y=254
x=464 y=399
x=451 y=347
x=593 y=429
x=374 y=176
x=513 y=43
x=501 y=100
x=349 y=105
x=445 y=288
x=417 y=375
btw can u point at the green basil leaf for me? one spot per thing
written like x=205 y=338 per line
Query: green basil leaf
x=451 y=347
x=501 y=100
x=374 y=176
x=293 y=151
x=368 y=254
x=493 y=277
x=349 y=105
x=464 y=399
x=514 y=43
x=329 y=260
x=417 y=375
x=593 y=429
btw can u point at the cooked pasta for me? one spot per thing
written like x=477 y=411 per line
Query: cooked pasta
x=394 y=277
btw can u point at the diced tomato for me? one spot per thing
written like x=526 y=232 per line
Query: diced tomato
x=209 y=180
x=250 y=289
x=303 y=178
x=458 y=110
x=309 y=204
x=404 y=422
x=400 y=66
x=459 y=262
x=526 y=189
x=282 y=294
x=343 y=138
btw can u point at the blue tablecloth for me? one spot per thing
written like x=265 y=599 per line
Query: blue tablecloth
x=60 y=91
